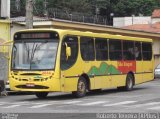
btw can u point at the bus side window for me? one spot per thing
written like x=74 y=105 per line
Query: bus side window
x=101 y=49
x=137 y=51
x=72 y=42
x=128 y=50
x=87 y=48
x=115 y=50
x=147 y=51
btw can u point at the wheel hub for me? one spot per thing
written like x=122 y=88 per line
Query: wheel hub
x=81 y=87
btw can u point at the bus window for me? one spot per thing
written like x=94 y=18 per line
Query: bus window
x=128 y=50
x=101 y=49
x=87 y=48
x=72 y=42
x=115 y=50
x=147 y=51
x=137 y=51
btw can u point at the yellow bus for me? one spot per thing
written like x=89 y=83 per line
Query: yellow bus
x=55 y=60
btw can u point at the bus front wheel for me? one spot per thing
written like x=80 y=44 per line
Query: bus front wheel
x=81 y=88
x=41 y=95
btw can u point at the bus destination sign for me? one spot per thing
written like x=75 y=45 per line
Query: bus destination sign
x=36 y=35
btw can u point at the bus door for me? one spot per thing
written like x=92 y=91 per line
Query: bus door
x=69 y=63
x=147 y=61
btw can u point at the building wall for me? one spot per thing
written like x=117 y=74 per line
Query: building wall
x=5 y=8
x=126 y=21
x=15 y=28
x=4 y=36
x=154 y=20
x=4 y=30
x=156 y=46
x=156 y=51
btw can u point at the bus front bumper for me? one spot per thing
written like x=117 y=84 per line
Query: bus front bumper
x=43 y=86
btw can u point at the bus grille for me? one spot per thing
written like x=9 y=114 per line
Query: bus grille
x=35 y=87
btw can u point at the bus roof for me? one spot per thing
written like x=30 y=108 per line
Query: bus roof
x=90 y=34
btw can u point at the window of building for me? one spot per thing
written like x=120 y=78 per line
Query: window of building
x=147 y=51
x=87 y=48
x=101 y=49
x=72 y=42
x=115 y=50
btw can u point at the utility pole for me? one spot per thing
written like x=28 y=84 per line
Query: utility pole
x=29 y=14
x=45 y=8
x=5 y=8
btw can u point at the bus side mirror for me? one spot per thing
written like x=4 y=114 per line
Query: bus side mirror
x=68 y=51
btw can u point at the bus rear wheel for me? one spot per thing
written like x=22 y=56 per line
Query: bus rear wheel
x=81 y=88
x=129 y=83
x=41 y=95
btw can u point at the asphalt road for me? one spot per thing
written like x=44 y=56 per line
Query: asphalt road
x=145 y=98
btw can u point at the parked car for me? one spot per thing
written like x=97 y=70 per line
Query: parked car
x=157 y=72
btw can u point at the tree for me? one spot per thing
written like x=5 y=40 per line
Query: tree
x=103 y=8
x=136 y=7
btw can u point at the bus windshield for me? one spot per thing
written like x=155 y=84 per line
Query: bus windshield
x=34 y=55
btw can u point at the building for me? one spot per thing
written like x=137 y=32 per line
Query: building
x=126 y=21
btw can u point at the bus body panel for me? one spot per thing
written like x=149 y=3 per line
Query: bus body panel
x=147 y=71
x=102 y=74
x=18 y=83
x=139 y=73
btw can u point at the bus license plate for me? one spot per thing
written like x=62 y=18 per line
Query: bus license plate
x=30 y=85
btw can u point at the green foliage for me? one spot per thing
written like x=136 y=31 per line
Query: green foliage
x=69 y=6
x=97 y=7
x=135 y=7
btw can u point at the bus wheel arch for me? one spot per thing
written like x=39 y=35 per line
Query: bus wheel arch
x=130 y=82
x=82 y=86
x=87 y=80
x=131 y=73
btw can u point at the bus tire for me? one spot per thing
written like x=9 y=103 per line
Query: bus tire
x=81 y=88
x=41 y=95
x=129 y=82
